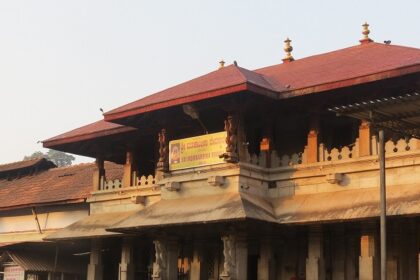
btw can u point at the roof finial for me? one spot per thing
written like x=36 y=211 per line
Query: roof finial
x=365 y=33
x=288 y=49
x=221 y=64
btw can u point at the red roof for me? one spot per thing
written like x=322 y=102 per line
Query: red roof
x=350 y=66
x=357 y=64
x=226 y=80
x=94 y=130
x=346 y=67
x=23 y=164
x=61 y=185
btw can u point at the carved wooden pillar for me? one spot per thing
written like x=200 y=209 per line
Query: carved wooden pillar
x=95 y=267
x=129 y=167
x=365 y=143
x=231 y=128
x=98 y=174
x=312 y=144
x=162 y=164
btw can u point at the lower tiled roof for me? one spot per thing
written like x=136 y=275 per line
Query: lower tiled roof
x=54 y=186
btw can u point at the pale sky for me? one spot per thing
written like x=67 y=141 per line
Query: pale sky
x=60 y=61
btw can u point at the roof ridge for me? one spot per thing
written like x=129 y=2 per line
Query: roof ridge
x=325 y=53
x=72 y=166
x=21 y=161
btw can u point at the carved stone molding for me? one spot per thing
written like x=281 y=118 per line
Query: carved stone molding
x=229 y=254
x=160 y=260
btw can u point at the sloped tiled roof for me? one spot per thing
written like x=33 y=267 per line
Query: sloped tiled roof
x=337 y=69
x=341 y=68
x=97 y=129
x=220 y=82
x=343 y=65
x=54 y=186
x=22 y=164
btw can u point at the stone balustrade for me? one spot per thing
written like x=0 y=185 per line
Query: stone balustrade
x=335 y=154
x=142 y=181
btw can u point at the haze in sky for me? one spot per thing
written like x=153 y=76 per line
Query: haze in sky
x=60 y=61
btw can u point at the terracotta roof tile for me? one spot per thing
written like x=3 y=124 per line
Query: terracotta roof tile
x=56 y=185
x=21 y=164
x=219 y=82
x=336 y=66
x=97 y=129
x=344 y=64
x=340 y=68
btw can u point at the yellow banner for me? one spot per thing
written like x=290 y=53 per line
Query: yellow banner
x=197 y=151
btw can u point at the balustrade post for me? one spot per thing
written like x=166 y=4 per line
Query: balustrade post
x=98 y=174
x=128 y=170
x=365 y=143
x=312 y=143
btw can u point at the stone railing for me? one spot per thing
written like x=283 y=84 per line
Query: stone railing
x=142 y=181
x=335 y=154
x=110 y=184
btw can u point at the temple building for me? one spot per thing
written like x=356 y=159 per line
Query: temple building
x=37 y=199
x=251 y=174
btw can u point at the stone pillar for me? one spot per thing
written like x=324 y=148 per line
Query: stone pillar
x=418 y=267
x=351 y=256
x=315 y=268
x=165 y=266
x=241 y=258
x=98 y=174
x=365 y=143
x=172 y=260
x=266 y=264
x=338 y=254
x=197 y=271
x=127 y=180
x=95 y=268
x=126 y=269
x=235 y=258
x=366 y=259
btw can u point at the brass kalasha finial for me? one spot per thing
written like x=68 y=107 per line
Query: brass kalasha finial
x=288 y=49
x=365 y=33
x=221 y=64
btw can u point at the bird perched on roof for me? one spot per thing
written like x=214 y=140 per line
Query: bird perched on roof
x=387 y=42
x=102 y=110
x=235 y=63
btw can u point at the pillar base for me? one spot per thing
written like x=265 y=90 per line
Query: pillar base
x=366 y=268
x=226 y=277
x=126 y=271
x=94 y=272
x=314 y=268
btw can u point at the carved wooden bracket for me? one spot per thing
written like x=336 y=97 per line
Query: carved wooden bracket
x=231 y=128
x=162 y=164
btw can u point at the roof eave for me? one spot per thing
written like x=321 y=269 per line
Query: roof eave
x=50 y=203
x=84 y=137
x=114 y=117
